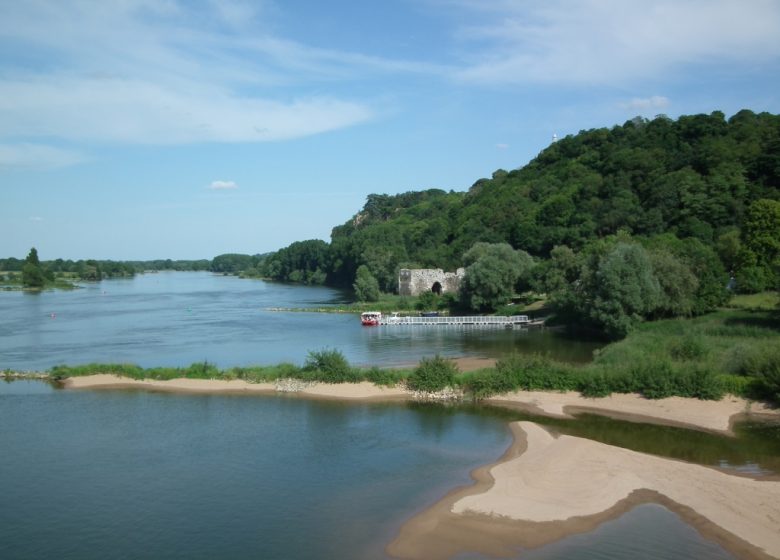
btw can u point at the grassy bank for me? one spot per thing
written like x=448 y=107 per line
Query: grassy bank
x=327 y=366
x=730 y=351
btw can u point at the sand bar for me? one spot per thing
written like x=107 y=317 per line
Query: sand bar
x=559 y=478
x=546 y=487
x=362 y=390
x=716 y=416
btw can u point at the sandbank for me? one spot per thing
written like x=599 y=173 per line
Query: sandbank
x=546 y=487
x=715 y=416
x=363 y=390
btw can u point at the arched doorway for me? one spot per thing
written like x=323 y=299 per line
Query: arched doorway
x=436 y=288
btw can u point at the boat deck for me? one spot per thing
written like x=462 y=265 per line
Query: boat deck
x=476 y=321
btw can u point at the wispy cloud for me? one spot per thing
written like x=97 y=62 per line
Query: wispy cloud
x=608 y=42
x=223 y=185
x=36 y=219
x=160 y=73
x=36 y=156
x=502 y=146
x=655 y=102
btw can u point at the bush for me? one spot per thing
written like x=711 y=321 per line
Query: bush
x=739 y=385
x=202 y=370
x=595 y=384
x=752 y=280
x=486 y=383
x=427 y=301
x=329 y=366
x=536 y=373
x=689 y=347
x=379 y=376
x=433 y=374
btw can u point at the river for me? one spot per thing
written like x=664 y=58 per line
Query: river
x=130 y=474
x=179 y=318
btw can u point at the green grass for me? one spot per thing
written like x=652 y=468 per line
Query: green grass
x=765 y=301
x=730 y=351
x=327 y=366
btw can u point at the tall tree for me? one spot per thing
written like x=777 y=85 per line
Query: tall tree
x=493 y=270
x=32 y=273
x=366 y=287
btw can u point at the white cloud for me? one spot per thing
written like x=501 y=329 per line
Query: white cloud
x=148 y=72
x=223 y=185
x=36 y=156
x=36 y=219
x=144 y=112
x=596 y=42
x=502 y=146
x=646 y=103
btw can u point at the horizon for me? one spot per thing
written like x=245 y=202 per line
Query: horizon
x=182 y=131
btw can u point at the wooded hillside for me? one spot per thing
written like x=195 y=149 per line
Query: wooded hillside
x=694 y=178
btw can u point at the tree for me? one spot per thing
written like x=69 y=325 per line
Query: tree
x=761 y=235
x=32 y=273
x=677 y=283
x=492 y=272
x=617 y=288
x=366 y=287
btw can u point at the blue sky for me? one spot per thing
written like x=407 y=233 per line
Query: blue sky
x=142 y=129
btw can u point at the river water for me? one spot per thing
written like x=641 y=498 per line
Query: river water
x=178 y=318
x=134 y=474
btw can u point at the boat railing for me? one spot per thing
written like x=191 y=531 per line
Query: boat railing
x=466 y=320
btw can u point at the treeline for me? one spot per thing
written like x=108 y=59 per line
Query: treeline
x=681 y=209
x=46 y=272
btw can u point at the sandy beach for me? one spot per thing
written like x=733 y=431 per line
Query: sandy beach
x=546 y=487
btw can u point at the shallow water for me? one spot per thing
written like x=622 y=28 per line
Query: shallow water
x=179 y=318
x=127 y=474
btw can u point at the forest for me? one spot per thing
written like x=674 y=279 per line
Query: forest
x=654 y=218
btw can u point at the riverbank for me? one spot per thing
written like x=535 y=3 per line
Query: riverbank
x=546 y=487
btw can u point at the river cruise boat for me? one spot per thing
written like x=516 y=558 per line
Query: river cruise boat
x=370 y=318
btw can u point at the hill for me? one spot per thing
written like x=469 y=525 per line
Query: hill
x=693 y=178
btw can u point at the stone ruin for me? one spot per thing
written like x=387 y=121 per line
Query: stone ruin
x=413 y=282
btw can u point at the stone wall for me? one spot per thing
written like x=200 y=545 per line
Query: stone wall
x=413 y=282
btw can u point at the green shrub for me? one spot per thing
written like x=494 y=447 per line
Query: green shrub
x=329 y=366
x=536 y=373
x=202 y=370
x=433 y=374
x=739 y=385
x=379 y=376
x=689 y=347
x=486 y=383
x=427 y=301
x=595 y=384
